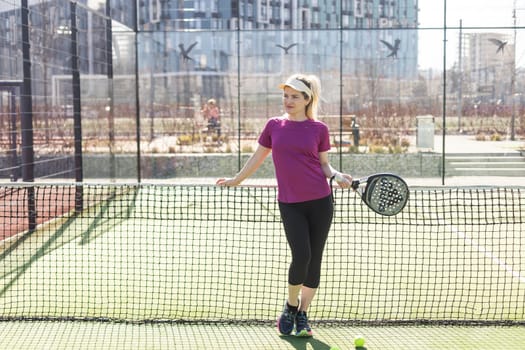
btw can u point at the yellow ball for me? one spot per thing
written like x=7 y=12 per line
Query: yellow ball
x=359 y=341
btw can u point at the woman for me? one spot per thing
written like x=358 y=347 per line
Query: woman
x=211 y=113
x=299 y=144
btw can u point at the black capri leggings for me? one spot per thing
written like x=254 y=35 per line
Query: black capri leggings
x=306 y=225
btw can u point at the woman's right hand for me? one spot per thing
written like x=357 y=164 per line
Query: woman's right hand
x=227 y=182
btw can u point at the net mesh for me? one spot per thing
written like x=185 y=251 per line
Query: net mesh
x=207 y=254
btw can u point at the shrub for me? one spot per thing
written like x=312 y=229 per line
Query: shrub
x=377 y=149
x=480 y=137
x=396 y=149
x=247 y=149
x=188 y=139
x=495 y=137
x=353 y=149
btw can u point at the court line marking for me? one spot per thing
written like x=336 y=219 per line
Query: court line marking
x=489 y=254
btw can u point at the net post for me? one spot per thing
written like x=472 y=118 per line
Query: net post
x=26 y=121
x=31 y=208
x=26 y=106
x=79 y=198
x=75 y=77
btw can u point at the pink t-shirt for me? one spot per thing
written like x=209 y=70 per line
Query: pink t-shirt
x=295 y=152
x=213 y=112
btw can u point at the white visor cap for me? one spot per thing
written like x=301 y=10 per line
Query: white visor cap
x=298 y=85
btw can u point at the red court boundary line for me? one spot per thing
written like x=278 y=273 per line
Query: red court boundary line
x=50 y=203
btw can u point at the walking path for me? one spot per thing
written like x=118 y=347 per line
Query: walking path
x=455 y=144
x=469 y=144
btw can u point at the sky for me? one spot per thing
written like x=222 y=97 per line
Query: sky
x=473 y=13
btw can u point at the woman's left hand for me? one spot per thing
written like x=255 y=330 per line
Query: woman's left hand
x=343 y=180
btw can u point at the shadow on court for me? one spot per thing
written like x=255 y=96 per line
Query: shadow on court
x=306 y=343
x=18 y=270
x=102 y=219
x=114 y=210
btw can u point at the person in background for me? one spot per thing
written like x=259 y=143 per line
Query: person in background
x=299 y=144
x=211 y=113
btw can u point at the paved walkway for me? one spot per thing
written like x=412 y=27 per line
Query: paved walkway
x=467 y=181
x=469 y=144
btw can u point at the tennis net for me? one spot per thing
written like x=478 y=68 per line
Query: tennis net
x=207 y=254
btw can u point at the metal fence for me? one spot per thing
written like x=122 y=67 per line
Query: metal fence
x=79 y=80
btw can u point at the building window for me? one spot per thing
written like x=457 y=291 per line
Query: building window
x=286 y=14
x=345 y=5
x=346 y=21
x=358 y=9
x=154 y=11
x=263 y=8
x=305 y=18
x=315 y=17
x=200 y=5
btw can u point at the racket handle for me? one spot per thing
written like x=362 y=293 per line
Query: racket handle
x=355 y=184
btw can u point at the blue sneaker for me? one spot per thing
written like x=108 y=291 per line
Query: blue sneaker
x=302 y=327
x=286 y=323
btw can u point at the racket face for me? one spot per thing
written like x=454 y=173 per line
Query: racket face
x=386 y=194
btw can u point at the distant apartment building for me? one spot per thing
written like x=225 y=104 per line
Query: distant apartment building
x=316 y=29
x=276 y=14
x=487 y=65
x=212 y=40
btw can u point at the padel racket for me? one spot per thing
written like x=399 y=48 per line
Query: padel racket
x=384 y=193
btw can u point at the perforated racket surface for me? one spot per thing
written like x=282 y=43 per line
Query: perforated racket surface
x=386 y=194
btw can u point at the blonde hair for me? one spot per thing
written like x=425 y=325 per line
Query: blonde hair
x=314 y=84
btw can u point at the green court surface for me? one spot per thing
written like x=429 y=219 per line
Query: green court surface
x=97 y=335
x=202 y=267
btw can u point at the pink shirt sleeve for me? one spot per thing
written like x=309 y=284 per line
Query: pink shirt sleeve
x=265 y=138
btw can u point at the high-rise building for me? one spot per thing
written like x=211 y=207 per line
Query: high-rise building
x=277 y=14
x=378 y=36
x=488 y=64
